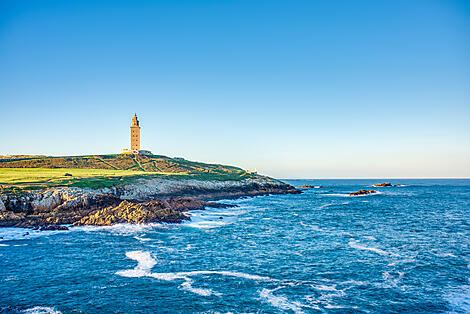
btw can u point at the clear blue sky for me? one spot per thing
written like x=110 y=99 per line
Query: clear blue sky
x=309 y=89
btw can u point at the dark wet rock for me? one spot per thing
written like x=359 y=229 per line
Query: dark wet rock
x=362 y=192
x=219 y=205
x=53 y=227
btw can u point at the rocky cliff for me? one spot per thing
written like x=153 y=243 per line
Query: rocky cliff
x=147 y=200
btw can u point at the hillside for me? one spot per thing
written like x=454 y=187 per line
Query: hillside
x=41 y=191
x=97 y=171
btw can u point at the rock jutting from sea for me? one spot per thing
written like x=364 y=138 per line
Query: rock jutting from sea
x=362 y=192
x=144 y=201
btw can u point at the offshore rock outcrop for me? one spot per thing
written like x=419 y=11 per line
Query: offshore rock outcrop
x=362 y=192
x=382 y=185
x=148 y=200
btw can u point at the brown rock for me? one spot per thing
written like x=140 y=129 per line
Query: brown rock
x=382 y=184
x=362 y=192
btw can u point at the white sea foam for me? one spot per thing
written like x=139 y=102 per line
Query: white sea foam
x=444 y=255
x=227 y=213
x=280 y=302
x=142 y=239
x=347 y=195
x=370 y=238
x=331 y=306
x=356 y=245
x=41 y=310
x=145 y=263
x=122 y=229
x=204 y=224
x=324 y=287
x=326 y=205
x=313 y=227
x=201 y=291
x=225 y=273
x=392 y=279
x=355 y=283
x=7 y=234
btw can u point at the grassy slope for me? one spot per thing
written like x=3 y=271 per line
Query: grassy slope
x=105 y=171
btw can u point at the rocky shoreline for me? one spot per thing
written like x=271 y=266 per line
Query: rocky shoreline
x=146 y=201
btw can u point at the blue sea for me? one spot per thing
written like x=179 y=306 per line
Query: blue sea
x=405 y=249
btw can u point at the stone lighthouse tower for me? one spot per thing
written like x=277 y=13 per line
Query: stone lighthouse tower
x=135 y=135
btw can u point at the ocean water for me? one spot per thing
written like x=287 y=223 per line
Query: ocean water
x=406 y=249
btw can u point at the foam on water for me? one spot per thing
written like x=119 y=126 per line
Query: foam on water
x=145 y=263
x=211 y=218
x=326 y=205
x=354 y=196
x=204 y=224
x=7 y=234
x=354 y=244
x=394 y=253
x=324 y=287
x=123 y=229
x=187 y=285
x=280 y=302
x=41 y=310
x=141 y=239
x=392 y=278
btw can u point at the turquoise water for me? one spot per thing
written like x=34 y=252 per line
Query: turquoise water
x=404 y=249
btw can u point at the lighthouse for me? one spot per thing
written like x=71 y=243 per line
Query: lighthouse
x=135 y=139
x=135 y=135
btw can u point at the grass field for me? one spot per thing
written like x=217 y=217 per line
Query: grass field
x=105 y=171
x=43 y=175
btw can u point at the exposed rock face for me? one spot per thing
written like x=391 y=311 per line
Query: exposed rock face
x=170 y=211
x=135 y=213
x=163 y=188
x=307 y=186
x=149 y=200
x=2 y=206
x=382 y=184
x=362 y=192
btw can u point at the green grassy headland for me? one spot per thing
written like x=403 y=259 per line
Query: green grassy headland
x=38 y=172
